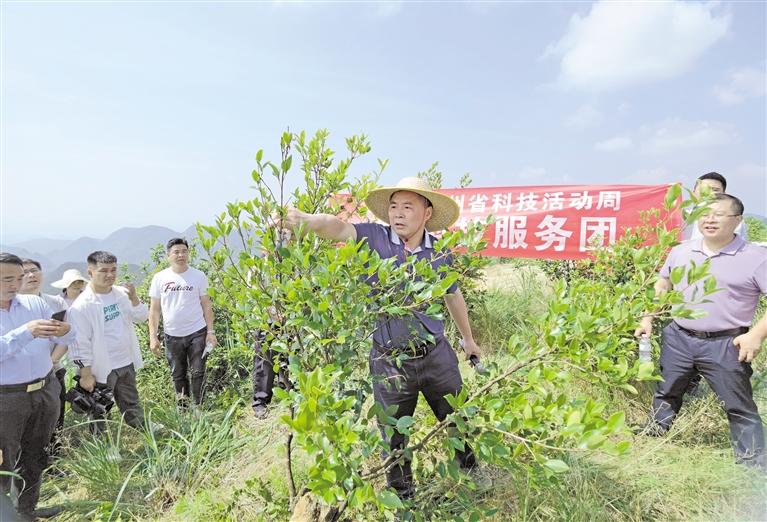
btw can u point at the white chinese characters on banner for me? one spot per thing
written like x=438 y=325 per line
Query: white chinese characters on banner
x=463 y=222
x=526 y=202
x=553 y=201
x=597 y=232
x=580 y=200
x=459 y=198
x=502 y=201
x=552 y=234
x=510 y=232
x=609 y=199
x=477 y=203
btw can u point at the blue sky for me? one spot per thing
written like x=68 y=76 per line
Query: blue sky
x=130 y=114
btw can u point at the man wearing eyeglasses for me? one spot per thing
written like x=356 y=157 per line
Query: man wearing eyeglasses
x=716 y=183
x=719 y=345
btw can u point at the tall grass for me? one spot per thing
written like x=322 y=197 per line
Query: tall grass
x=131 y=474
x=213 y=465
x=181 y=455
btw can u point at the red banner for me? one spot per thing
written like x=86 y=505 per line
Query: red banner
x=556 y=221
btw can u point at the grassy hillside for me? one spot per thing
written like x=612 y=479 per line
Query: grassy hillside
x=222 y=464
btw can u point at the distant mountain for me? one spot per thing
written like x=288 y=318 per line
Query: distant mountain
x=130 y=245
x=42 y=245
x=25 y=254
x=134 y=273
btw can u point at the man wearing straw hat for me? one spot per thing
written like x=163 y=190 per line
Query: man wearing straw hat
x=410 y=209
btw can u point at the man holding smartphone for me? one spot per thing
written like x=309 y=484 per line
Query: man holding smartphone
x=107 y=348
x=29 y=392
x=31 y=285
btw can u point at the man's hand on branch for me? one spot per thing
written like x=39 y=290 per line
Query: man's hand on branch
x=645 y=327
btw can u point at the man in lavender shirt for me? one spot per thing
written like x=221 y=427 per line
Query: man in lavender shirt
x=720 y=345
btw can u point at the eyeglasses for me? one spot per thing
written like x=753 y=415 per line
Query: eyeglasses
x=718 y=215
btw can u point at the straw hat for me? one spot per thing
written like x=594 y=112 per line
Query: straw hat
x=68 y=277
x=445 y=211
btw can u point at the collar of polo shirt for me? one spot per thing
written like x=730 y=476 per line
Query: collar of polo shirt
x=425 y=244
x=730 y=249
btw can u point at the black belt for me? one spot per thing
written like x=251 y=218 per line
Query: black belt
x=28 y=387
x=732 y=332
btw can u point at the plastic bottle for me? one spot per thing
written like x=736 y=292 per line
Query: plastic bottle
x=645 y=349
x=207 y=350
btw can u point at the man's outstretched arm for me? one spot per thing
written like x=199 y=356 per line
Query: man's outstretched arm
x=324 y=225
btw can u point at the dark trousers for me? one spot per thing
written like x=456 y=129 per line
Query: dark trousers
x=435 y=375
x=184 y=355
x=55 y=445
x=122 y=381
x=27 y=420
x=682 y=356
x=263 y=372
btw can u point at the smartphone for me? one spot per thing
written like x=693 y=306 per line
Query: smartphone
x=59 y=316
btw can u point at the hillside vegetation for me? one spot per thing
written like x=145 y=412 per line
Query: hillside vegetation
x=551 y=420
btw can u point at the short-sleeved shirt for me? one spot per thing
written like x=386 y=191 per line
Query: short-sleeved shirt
x=179 y=296
x=116 y=335
x=740 y=270
x=401 y=332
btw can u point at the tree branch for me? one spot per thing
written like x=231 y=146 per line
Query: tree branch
x=396 y=454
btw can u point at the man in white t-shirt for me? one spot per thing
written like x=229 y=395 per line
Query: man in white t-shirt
x=107 y=349
x=180 y=295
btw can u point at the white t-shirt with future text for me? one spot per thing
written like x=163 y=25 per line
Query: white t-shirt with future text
x=179 y=296
x=117 y=337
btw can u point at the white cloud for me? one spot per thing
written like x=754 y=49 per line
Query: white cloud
x=389 y=8
x=618 y=44
x=744 y=83
x=650 y=176
x=752 y=171
x=613 y=144
x=624 y=109
x=671 y=136
x=586 y=116
x=674 y=134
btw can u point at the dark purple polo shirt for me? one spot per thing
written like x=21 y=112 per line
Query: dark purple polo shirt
x=399 y=332
x=740 y=270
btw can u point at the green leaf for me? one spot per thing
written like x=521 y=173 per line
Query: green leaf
x=673 y=193
x=403 y=423
x=677 y=274
x=389 y=499
x=646 y=371
x=616 y=420
x=556 y=465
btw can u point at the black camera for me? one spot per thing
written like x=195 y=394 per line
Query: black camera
x=97 y=403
